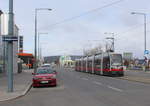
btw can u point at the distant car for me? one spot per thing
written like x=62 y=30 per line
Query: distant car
x=46 y=65
x=44 y=77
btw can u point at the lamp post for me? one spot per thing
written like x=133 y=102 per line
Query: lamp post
x=35 y=49
x=144 y=14
x=39 y=44
x=113 y=40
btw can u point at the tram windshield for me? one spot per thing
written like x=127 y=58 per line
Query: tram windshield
x=116 y=59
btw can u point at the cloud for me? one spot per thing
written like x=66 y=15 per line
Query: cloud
x=71 y=37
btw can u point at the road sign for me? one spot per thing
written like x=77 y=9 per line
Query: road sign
x=10 y=38
x=146 y=52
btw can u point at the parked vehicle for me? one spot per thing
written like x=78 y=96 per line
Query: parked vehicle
x=46 y=65
x=107 y=63
x=44 y=77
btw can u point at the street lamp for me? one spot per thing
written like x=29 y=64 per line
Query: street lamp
x=39 y=44
x=35 y=49
x=144 y=14
x=113 y=40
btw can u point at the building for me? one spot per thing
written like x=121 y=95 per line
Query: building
x=1 y=46
x=3 y=50
x=51 y=59
x=61 y=60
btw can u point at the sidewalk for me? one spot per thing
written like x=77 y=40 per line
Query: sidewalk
x=22 y=83
x=137 y=76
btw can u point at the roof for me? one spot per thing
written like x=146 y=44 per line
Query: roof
x=25 y=54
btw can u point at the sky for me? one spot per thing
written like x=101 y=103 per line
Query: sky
x=75 y=25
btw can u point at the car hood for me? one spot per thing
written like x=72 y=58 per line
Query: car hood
x=43 y=75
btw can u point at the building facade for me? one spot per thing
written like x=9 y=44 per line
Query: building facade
x=3 y=45
x=61 y=60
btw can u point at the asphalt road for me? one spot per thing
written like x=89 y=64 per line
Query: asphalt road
x=137 y=73
x=82 y=89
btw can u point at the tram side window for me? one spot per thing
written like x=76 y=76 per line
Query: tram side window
x=98 y=63
x=76 y=64
x=79 y=63
x=89 y=63
x=84 y=63
x=106 y=62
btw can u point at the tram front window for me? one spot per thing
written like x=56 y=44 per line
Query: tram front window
x=116 y=59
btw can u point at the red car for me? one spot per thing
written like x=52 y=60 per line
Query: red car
x=44 y=77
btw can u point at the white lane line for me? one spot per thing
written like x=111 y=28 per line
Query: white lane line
x=97 y=83
x=84 y=79
x=116 y=89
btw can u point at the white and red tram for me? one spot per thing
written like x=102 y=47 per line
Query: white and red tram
x=107 y=63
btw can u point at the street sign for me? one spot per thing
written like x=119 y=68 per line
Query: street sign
x=10 y=38
x=146 y=52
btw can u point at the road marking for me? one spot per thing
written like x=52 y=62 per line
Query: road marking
x=84 y=79
x=97 y=83
x=116 y=89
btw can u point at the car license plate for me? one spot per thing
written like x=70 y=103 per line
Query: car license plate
x=44 y=82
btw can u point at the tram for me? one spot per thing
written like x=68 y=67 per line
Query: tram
x=107 y=63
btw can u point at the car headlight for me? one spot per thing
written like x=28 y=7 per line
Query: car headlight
x=54 y=76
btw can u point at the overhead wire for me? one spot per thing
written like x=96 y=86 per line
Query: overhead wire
x=85 y=13
x=131 y=28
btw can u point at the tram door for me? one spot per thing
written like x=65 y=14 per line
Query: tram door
x=106 y=64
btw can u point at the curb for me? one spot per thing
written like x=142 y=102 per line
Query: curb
x=21 y=95
x=27 y=89
x=134 y=80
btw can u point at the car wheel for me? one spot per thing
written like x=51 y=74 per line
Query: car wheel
x=33 y=86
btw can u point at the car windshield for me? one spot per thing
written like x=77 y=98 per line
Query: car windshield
x=46 y=65
x=45 y=71
x=116 y=59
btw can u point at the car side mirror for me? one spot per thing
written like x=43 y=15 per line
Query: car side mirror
x=33 y=73
x=55 y=71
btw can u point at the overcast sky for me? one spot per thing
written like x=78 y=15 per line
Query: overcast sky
x=86 y=31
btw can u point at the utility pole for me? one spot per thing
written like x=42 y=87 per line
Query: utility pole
x=10 y=47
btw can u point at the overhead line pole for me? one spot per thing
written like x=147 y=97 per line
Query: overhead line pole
x=10 y=47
